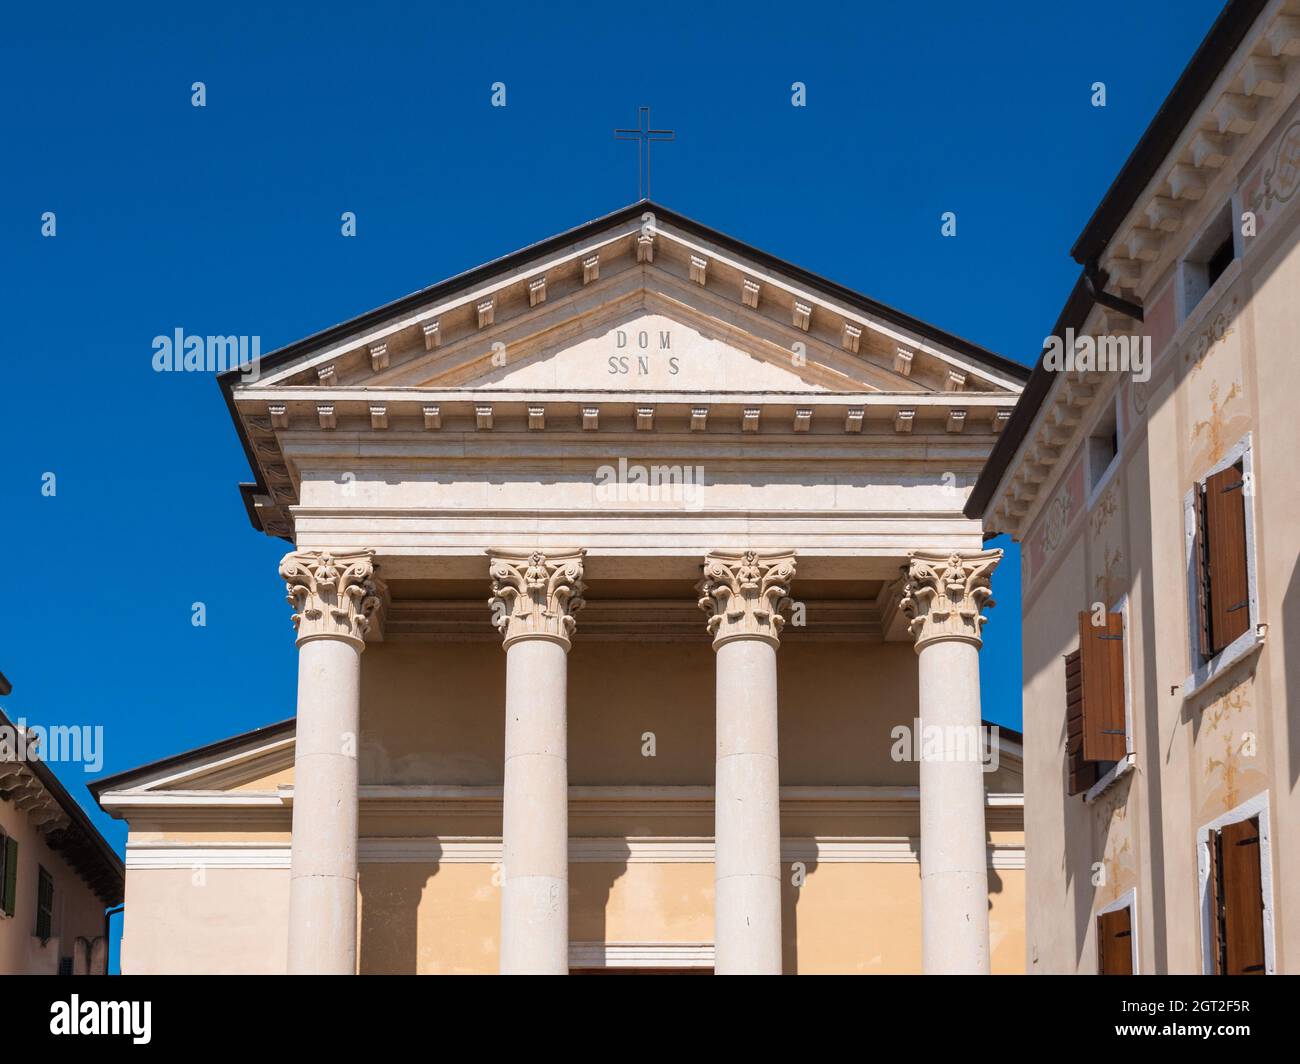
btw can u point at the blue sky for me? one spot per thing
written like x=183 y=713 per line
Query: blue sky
x=225 y=220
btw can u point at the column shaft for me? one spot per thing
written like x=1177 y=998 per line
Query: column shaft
x=944 y=596
x=535 y=816
x=747 y=820
x=534 y=597
x=323 y=871
x=337 y=599
x=744 y=592
x=954 y=855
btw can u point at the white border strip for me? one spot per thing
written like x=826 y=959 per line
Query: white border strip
x=641 y=954
x=464 y=850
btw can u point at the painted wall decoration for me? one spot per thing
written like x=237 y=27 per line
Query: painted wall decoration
x=1224 y=422
x=1051 y=528
x=1274 y=182
x=1229 y=758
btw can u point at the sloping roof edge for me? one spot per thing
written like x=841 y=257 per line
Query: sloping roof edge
x=410 y=303
x=221 y=746
x=77 y=815
x=1227 y=33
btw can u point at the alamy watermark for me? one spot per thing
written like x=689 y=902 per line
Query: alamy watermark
x=70 y=743
x=179 y=353
x=1102 y=354
x=976 y=743
x=671 y=485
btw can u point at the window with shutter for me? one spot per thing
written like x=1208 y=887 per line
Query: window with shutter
x=1237 y=899
x=1115 y=942
x=1101 y=650
x=1082 y=774
x=44 y=905
x=10 y=881
x=1224 y=594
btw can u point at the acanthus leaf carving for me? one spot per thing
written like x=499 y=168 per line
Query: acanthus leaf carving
x=334 y=596
x=535 y=594
x=744 y=593
x=945 y=593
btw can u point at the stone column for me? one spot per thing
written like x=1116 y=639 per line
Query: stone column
x=943 y=597
x=335 y=598
x=743 y=593
x=534 y=597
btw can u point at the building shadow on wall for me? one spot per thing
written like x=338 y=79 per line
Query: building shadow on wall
x=390 y=908
x=589 y=893
x=1289 y=645
x=799 y=861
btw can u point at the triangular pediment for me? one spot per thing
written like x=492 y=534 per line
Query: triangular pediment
x=644 y=307
x=566 y=317
x=643 y=341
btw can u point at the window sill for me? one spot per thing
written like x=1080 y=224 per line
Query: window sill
x=1226 y=659
x=1107 y=475
x=1194 y=317
x=1117 y=772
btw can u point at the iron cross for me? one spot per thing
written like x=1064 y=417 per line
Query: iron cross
x=643 y=134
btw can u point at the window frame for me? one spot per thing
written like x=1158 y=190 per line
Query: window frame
x=1098 y=484
x=1252 y=807
x=1189 y=260
x=1205 y=670
x=1127 y=900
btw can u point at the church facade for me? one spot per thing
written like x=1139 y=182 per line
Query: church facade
x=637 y=623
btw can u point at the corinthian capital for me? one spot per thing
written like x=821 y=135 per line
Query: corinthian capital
x=944 y=594
x=334 y=596
x=743 y=592
x=535 y=594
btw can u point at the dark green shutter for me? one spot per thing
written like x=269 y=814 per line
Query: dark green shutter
x=11 y=875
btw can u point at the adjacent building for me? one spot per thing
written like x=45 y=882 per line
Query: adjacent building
x=1151 y=480
x=58 y=876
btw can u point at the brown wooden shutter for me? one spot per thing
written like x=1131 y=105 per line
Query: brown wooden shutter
x=1115 y=942
x=1243 y=898
x=1082 y=774
x=1225 y=554
x=1101 y=650
x=1199 y=552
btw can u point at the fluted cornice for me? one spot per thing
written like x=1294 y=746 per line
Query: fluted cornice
x=334 y=596
x=744 y=592
x=536 y=593
x=944 y=594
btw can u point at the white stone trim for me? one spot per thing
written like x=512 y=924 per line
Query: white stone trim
x=1205 y=672
x=487 y=850
x=1117 y=771
x=1127 y=900
x=282 y=745
x=207 y=855
x=1256 y=806
x=640 y=954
